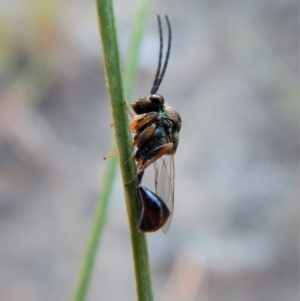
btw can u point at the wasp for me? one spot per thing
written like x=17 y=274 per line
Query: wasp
x=156 y=127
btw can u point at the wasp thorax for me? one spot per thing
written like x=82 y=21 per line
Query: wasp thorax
x=173 y=115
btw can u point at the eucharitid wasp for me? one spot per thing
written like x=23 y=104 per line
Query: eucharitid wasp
x=156 y=127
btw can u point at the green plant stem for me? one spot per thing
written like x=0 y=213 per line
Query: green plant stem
x=124 y=142
x=123 y=136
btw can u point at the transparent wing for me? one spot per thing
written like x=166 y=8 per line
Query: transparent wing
x=164 y=184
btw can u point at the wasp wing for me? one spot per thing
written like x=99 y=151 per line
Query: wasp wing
x=164 y=184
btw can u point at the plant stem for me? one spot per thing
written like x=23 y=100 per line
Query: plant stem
x=123 y=137
x=124 y=142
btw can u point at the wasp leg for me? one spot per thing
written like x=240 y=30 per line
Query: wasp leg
x=117 y=153
x=138 y=174
x=144 y=136
x=131 y=156
x=161 y=150
x=141 y=120
x=111 y=155
x=128 y=110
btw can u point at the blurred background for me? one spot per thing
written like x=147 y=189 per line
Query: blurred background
x=234 y=77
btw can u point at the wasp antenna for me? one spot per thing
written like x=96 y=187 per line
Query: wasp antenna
x=156 y=78
x=161 y=76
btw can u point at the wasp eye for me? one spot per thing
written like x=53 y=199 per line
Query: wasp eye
x=157 y=99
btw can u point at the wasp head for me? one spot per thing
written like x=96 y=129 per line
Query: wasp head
x=150 y=103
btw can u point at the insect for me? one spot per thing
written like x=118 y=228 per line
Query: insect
x=156 y=127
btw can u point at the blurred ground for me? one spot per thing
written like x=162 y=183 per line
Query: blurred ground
x=233 y=76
